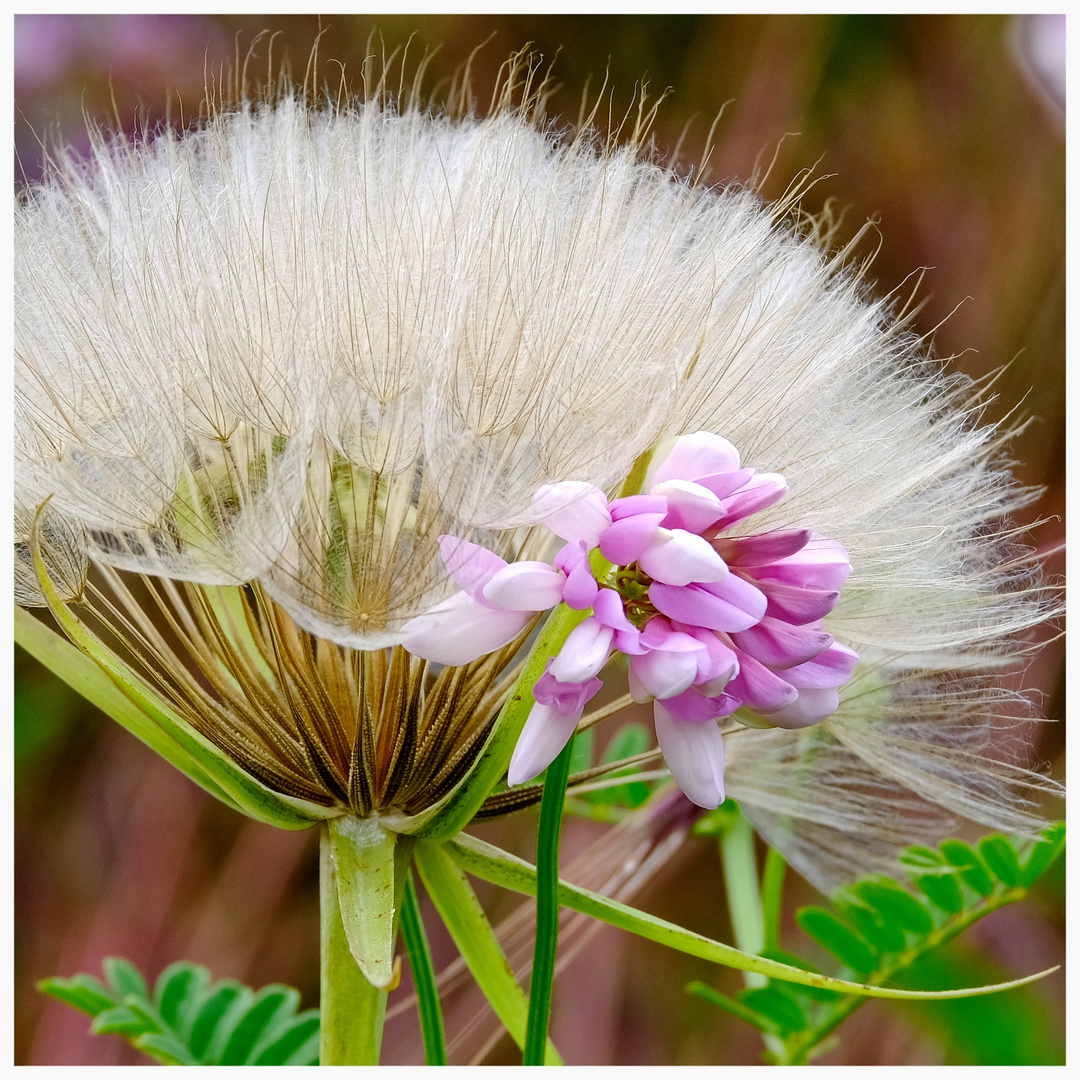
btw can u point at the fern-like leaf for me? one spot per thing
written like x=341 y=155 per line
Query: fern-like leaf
x=190 y=1020
x=878 y=927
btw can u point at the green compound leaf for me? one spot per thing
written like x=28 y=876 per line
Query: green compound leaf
x=879 y=928
x=191 y=1021
x=882 y=934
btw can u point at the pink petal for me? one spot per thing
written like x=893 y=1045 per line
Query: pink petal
x=460 y=629
x=717 y=664
x=822 y=564
x=525 y=586
x=626 y=539
x=690 y=506
x=778 y=644
x=699 y=454
x=677 y=557
x=545 y=733
x=661 y=674
x=727 y=606
x=724 y=484
x=470 y=565
x=759 y=688
x=628 y=642
x=811 y=707
x=695 y=755
x=660 y=634
x=566 y=698
x=761 y=492
x=584 y=653
x=831 y=668
x=573 y=510
x=742 y=593
x=767 y=547
x=580 y=588
x=694 y=707
x=699 y=605
x=608 y=608
x=633 y=505
x=797 y=605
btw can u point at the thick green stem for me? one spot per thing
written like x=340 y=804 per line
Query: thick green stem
x=352 y=1010
x=748 y=919
x=547 y=906
x=423 y=973
x=741 y=886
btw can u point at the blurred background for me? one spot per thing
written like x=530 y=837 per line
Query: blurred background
x=948 y=132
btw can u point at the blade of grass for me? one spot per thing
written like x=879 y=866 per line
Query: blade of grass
x=547 y=906
x=423 y=973
x=460 y=910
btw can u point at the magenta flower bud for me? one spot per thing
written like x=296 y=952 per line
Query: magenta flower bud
x=778 y=644
x=762 y=548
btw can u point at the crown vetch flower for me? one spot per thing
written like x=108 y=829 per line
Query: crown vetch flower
x=720 y=636
x=263 y=366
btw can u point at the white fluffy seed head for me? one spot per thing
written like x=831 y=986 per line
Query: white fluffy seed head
x=296 y=344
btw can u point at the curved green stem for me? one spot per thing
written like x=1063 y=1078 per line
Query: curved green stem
x=423 y=973
x=547 y=906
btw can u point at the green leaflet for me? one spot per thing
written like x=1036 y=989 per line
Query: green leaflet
x=499 y=867
x=189 y=1020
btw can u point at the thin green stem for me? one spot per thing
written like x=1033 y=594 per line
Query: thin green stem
x=547 y=906
x=423 y=973
x=352 y=1010
x=478 y=944
x=772 y=891
x=741 y=885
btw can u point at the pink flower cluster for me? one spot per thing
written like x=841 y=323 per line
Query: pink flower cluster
x=710 y=623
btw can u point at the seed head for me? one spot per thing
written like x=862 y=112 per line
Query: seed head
x=262 y=366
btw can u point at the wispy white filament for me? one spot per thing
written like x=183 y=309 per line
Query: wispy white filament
x=298 y=344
